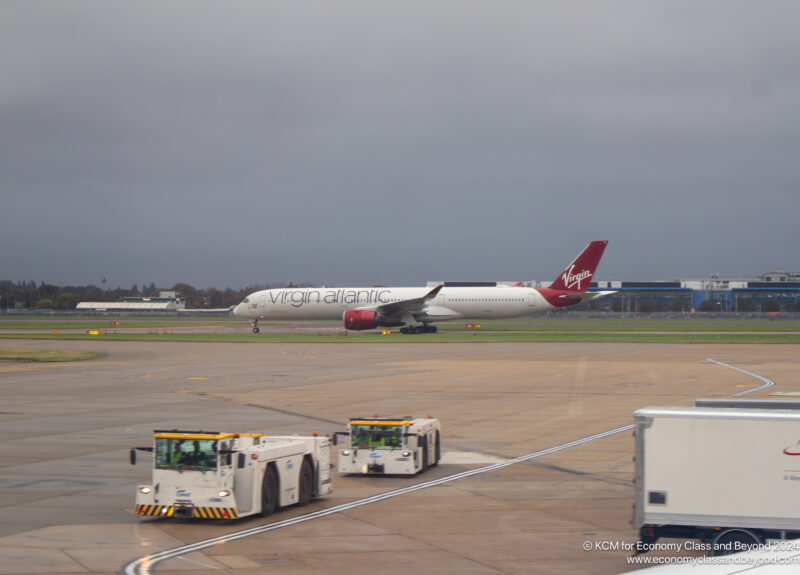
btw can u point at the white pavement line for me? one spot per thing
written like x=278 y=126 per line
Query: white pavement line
x=146 y=565
x=767 y=382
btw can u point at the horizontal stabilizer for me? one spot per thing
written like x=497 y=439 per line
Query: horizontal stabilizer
x=585 y=296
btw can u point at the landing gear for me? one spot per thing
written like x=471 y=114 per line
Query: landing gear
x=424 y=328
x=255 y=326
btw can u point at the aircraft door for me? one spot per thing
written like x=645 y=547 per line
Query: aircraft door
x=531 y=300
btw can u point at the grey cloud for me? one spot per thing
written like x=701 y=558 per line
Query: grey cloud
x=364 y=142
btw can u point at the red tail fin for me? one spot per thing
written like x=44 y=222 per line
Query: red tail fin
x=579 y=273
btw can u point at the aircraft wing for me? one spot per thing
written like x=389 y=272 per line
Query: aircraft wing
x=408 y=306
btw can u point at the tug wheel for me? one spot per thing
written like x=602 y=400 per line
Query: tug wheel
x=306 y=483
x=269 y=492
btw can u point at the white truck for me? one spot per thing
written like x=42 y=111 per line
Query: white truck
x=213 y=475
x=725 y=472
x=389 y=446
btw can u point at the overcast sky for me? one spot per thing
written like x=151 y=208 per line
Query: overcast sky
x=359 y=143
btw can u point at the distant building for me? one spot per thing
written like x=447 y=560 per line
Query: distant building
x=779 y=275
x=167 y=301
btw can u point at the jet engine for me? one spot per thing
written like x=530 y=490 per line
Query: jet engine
x=360 y=319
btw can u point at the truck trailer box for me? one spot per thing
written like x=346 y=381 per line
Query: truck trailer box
x=712 y=469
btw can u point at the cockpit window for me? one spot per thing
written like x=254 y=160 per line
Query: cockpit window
x=246 y=300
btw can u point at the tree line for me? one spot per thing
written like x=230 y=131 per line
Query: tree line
x=31 y=296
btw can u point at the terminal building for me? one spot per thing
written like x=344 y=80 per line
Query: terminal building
x=775 y=291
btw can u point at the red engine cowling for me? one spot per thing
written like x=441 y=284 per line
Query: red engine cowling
x=360 y=319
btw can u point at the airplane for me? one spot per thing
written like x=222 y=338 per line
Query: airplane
x=415 y=308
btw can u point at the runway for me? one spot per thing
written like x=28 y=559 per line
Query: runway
x=66 y=491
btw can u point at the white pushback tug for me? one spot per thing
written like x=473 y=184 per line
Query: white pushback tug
x=388 y=446
x=213 y=475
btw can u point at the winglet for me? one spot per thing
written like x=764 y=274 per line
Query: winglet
x=578 y=274
x=433 y=293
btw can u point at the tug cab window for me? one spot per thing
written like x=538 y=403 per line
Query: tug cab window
x=377 y=436
x=199 y=454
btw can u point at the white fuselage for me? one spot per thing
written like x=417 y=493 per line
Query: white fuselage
x=416 y=308
x=451 y=303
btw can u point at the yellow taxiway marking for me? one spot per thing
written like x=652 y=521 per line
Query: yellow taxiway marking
x=195 y=378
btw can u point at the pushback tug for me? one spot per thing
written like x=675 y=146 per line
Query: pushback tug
x=213 y=475
x=389 y=446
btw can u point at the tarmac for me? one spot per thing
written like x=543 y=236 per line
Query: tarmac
x=67 y=487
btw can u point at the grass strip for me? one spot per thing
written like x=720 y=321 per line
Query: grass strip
x=442 y=337
x=45 y=355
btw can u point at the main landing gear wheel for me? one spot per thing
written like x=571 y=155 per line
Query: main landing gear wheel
x=424 y=328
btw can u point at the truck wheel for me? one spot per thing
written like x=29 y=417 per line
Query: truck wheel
x=269 y=492
x=306 y=483
x=734 y=541
x=437 y=450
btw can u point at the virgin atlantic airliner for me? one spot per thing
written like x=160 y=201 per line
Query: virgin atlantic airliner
x=416 y=309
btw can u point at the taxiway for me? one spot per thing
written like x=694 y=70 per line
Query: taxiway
x=66 y=487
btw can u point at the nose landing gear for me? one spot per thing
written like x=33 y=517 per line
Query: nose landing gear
x=255 y=326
